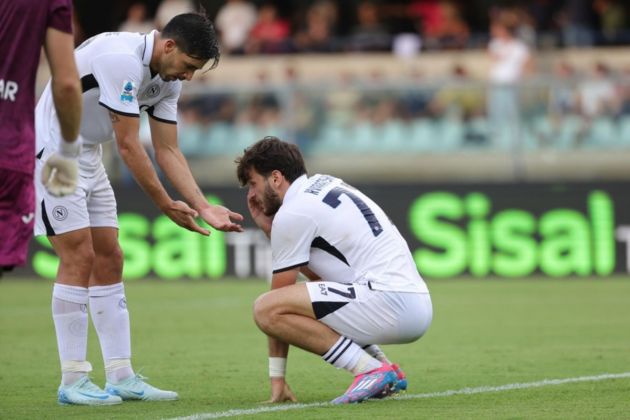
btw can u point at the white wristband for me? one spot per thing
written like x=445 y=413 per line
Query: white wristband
x=70 y=150
x=277 y=367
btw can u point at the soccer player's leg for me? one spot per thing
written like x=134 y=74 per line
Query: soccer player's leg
x=108 y=308
x=291 y=314
x=69 y=308
x=374 y=316
x=17 y=197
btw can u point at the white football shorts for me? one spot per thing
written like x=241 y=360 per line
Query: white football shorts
x=371 y=316
x=91 y=205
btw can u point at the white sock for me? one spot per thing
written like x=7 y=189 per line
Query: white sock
x=69 y=311
x=110 y=317
x=376 y=352
x=346 y=354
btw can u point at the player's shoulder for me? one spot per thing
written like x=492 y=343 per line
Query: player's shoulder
x=120 y=48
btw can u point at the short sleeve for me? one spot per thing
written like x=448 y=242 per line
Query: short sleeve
x=166 y=109
x=291 y=238
x=118 y=77
x=60 y=15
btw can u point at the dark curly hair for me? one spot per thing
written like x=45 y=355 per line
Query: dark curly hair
x=270 y=154
x=195 y=36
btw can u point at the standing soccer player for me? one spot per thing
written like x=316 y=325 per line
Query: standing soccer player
x=26 y=25
x=122 y=74
x=364 y=289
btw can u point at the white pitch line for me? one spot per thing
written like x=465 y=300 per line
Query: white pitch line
x=463 y=391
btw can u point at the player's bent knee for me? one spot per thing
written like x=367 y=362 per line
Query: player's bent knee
x=266 y=312
x=261 y=308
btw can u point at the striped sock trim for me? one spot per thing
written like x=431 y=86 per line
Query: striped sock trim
x=337 y=350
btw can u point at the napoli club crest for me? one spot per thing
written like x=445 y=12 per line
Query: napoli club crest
x=152 y=91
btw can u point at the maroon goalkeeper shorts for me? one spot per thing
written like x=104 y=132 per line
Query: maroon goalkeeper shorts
x=17 y=214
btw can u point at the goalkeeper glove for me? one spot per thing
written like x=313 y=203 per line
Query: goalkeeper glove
x=60 y=171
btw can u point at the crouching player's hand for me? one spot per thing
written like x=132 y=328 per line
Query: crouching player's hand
x=280 y=391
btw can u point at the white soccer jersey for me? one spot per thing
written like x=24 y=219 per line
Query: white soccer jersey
x=342 y=236
x=115 y=75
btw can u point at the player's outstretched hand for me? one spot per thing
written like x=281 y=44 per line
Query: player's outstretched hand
x=221 y=218
x=280 y=392
x=180 y=213
x=262 y=221
x=59 y=175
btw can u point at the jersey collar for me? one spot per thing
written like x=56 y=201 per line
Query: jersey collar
x=294 y=188
x=149 y=40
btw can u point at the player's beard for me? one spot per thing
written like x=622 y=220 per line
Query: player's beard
x=271 y=201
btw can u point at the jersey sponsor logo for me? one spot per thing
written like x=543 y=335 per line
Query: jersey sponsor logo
x=8 y=89
x=26 y=218
x=127 y=91
x=60 y=213
x=322 y=289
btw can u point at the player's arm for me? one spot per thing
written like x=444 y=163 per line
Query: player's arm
x=278 y=349
x=126 y=130
x=66 y=87
x=172 y=161
x=60 y=171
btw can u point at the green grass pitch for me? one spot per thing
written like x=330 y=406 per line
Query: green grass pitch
x=199 y=339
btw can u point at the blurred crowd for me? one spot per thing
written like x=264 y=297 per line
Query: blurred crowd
x=572 y=109
x=403 y=27
x=513 y=105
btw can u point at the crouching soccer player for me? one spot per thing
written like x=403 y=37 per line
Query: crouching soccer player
x=364 y=289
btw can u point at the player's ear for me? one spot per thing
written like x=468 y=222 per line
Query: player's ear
x=276 y=177
x=169 y=46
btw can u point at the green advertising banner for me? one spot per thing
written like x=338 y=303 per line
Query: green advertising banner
x=504 y=230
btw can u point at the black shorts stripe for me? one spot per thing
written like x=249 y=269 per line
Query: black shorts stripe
x=126 y=114
x=322 y=244
x=49 y=229
x=280 y=270
x=322 y=309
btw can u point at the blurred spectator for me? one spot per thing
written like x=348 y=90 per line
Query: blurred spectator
x=458 y=97
x=461 y=102
x=406 y=45
x=234 y=21
x=416 y=102
x=526 y=28
x=170 y=8
x=137 y=20
x=543 y=14
x=317 y=34
x=270 y=34
x=577 y=22
x=510 y=59
x=597 y=94
x=624 y=94
x=369 y=34
x=612 y=19
x=441 y=24
x=563 y=96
